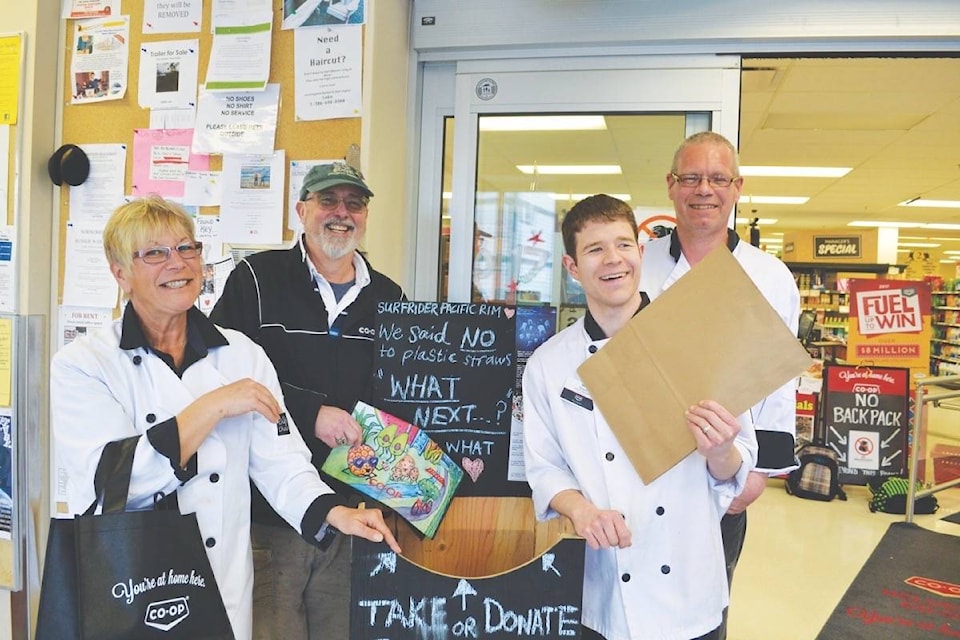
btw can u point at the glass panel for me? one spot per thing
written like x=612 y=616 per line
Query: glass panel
x=532 y=168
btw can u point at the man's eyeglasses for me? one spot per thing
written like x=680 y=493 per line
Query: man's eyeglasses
x=328 y=203
x=158 y=255
x=694 y=180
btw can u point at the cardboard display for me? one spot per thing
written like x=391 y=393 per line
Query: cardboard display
x=710 y=336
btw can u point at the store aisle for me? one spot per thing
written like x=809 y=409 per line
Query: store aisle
x=801 y=555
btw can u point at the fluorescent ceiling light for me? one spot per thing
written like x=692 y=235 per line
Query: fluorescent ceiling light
x=760 y=221
x=940 y=204
x=952 y=253
x=948 y=262
x=773 y=199
x=542 y=123
x=928 y=245
x=576 y=197
x=794 y=172
x=905 y=225
x=771 y=241
x=570 y=169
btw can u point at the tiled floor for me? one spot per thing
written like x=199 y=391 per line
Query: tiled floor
x=801 y=555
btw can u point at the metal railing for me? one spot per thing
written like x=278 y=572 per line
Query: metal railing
x=921 y=399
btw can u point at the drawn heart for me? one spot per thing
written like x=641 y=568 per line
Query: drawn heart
x=509 y=311
x=473 y=468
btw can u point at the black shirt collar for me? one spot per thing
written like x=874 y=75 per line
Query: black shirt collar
x=594 y=330
x=675 y=249
x=202 y=335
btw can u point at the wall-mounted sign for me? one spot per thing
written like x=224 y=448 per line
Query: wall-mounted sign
x=831 y=247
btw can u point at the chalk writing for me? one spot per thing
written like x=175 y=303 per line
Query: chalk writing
x=450 y=369
x=393 y=598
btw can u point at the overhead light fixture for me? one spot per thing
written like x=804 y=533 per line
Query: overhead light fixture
x=905 y=225
x=746 y=199
x=576 y=197
x=951 y=252
x=570 y=169
x=919 y=245
x=794 y=172
x=760 y=221
x=772 y=241
x=542 y=123
x=938 y=204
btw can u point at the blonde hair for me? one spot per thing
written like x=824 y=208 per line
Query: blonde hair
x=132 y=224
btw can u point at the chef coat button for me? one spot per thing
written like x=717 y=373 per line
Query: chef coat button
x=210 y=542
x=151 y=418
x=609 y=456
x=660 y=511
x=625 y=577
x=137 y=359
x=214 y=477
x=592 y=348
x=665 y=569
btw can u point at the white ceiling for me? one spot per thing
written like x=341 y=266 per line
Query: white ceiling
x=895 y=121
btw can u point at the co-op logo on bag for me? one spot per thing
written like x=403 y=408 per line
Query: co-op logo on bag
x=167 y=614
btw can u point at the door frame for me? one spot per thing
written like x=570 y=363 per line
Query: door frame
x=694 y=83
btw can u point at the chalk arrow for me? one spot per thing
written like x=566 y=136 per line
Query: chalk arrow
x=388 y=561
x=884 y=443
x=841 y=439
x=546 y=563
x=464 y=589
x=839 y=453
x=888 y=459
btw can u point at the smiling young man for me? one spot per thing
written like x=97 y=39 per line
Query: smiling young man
x=704 y=184
x=312 y=308
x=654 y=564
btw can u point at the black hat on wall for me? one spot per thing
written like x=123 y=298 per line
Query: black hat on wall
x=68 y=164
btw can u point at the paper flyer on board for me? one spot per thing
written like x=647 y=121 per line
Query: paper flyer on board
x=398 y=465
x=100 y=58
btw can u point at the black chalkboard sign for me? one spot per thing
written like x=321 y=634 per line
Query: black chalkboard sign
x=450 y=369
x=394 y=598
x=865 y=420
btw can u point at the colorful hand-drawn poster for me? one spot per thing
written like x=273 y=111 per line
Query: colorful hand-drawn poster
x=398 y=465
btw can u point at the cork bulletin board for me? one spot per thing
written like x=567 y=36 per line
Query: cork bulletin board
x=114 y=121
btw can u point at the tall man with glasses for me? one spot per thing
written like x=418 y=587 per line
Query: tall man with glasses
x=704 y=184
x=312 y=309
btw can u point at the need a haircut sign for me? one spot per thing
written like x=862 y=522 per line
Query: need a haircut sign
x=865 y=417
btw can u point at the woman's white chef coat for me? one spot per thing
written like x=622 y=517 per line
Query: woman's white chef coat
x=671 y=584
x=102 y=393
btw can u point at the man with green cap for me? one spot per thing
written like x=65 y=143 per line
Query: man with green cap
x=312 y=308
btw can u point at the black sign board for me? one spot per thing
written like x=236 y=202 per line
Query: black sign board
x=865 y=420
x=450 y=369
x=392 y=598
x=836 y=247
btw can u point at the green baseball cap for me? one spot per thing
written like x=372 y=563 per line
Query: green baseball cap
x=324 y=176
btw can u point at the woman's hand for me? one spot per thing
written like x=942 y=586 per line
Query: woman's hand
x=366 y=523
x=199 y=418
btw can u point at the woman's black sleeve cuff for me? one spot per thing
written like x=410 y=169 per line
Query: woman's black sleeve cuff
x=313 y=526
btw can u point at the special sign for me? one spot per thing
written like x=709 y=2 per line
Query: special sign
x=865 y=419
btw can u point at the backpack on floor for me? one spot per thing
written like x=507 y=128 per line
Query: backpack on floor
x=890 y=496
x=817 y=477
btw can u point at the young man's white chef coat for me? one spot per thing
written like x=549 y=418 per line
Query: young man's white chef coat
x=671 y=584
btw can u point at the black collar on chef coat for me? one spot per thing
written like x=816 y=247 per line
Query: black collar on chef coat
x=202 y=335
x=594 y=330
x=675 y=249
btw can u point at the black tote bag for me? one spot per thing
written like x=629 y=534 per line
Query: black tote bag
x=128 y=575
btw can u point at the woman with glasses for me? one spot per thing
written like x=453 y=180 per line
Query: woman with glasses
x=204 y=400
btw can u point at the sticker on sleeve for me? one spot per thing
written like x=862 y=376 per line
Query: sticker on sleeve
x=577 y=398
x=283 y=425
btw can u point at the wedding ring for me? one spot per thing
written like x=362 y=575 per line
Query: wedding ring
x=341 y=441
x=705 y=428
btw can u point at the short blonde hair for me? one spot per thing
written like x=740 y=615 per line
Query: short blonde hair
x=707 y=137
x=134 y=223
